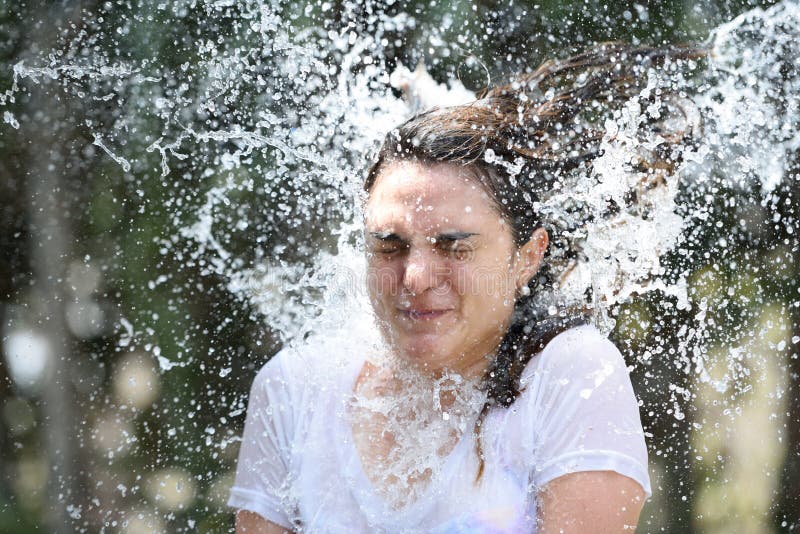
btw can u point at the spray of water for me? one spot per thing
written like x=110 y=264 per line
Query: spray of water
x=326 y=100
x=289 y=122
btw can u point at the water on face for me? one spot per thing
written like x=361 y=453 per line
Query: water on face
x=243 y=142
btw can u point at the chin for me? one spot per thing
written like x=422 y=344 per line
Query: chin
x=423 y=350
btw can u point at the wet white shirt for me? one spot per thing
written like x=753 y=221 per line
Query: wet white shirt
x=299 y=468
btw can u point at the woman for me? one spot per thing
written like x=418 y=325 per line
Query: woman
x=481 y=409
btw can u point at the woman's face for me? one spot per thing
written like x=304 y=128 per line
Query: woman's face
x=443 y=269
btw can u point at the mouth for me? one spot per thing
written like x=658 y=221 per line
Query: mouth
x=417 y=314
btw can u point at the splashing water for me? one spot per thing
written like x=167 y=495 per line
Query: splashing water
x=413 y=417
x=326 y=101
x=262 y=137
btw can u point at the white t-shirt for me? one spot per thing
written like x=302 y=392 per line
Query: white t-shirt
x=299 y=468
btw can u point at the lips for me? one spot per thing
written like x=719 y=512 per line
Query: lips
x=420 y=314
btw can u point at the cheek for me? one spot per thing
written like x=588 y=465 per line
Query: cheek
x=383 y=280
x=491 y=303
x=488 y=284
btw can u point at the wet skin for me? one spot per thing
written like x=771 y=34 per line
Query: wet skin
x=443 y=269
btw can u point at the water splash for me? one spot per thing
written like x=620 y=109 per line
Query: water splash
x=298 y=116
x=261 y=136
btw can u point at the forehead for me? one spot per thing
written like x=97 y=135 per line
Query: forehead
x=428 y=196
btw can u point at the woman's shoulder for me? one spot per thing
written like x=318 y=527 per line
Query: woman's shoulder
x=579 y=411
x=578 y=351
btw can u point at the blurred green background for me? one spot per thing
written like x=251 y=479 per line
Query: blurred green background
x=107 y=437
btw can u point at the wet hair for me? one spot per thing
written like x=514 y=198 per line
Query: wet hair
x=520 y=141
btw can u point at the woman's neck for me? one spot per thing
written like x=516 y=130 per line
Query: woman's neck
x=407 y=422
x=442 y=389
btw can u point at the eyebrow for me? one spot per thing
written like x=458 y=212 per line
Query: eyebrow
x=454 y=236
x=386 y=236
x=446 y=236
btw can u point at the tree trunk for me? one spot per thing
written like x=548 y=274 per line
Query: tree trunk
x=50 y=244
x=47 y=144
x=788 y=510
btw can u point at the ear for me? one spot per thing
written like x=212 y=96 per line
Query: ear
x=529 y=256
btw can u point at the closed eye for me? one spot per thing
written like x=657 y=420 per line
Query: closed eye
x=386 y=243
x=389 y=249
x=458 y=249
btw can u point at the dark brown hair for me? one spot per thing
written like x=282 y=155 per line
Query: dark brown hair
x=520 y=140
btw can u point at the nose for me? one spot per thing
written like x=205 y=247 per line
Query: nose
x=422 y=271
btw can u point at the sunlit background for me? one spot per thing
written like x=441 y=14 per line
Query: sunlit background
x=149 y=156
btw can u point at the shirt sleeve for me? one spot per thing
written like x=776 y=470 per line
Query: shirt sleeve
x=584 y=413
x=263 y=469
